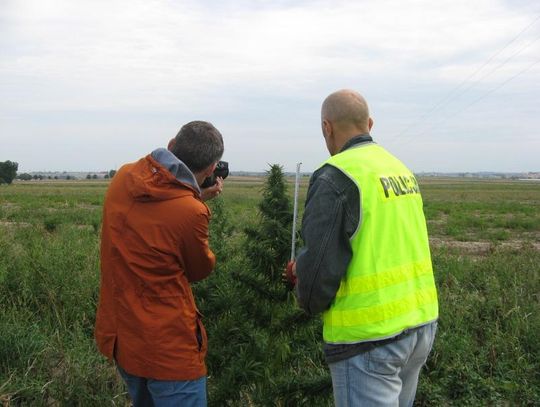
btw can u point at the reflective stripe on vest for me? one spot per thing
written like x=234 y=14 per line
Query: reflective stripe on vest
x=389 y=285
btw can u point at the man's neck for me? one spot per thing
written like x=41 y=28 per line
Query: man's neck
x=200 y=177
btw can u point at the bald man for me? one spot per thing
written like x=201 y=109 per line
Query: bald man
x=366 y=264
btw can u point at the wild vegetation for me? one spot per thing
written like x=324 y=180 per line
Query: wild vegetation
x=263 y=351
x=8 y=171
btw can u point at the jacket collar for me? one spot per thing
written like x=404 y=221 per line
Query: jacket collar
x=361 y=138
x=176 y=167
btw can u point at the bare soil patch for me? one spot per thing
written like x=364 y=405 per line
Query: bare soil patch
x=14 y=224
x=481 y=247
x=88 y=206
x=442 y=219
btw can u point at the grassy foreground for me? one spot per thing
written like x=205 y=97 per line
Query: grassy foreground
x=486 y=251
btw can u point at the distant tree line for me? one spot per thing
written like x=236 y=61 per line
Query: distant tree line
x=29 y=177
x=109 y=175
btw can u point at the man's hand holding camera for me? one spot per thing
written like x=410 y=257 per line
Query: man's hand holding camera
x=212 y=191
x=213 y=185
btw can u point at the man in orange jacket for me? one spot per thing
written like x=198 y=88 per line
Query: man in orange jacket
x=154 y=244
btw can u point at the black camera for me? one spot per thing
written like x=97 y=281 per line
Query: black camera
x=222 y=170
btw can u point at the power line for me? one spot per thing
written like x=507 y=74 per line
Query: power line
x=497 y=87
x=453 y=92
x=483 y=96
x=499 y=66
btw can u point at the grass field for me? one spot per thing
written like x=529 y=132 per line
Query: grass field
x=485 y=239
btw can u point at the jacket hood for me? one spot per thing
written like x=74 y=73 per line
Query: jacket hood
x=160 y=176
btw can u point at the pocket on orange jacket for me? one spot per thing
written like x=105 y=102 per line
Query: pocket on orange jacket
x=202 y=338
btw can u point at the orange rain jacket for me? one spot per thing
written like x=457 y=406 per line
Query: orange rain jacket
x=154 y=243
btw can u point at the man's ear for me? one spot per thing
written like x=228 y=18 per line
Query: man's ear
x=210 y=170
x=171 y=144
x=370 y=123
x=326 y=128
x=328 y=133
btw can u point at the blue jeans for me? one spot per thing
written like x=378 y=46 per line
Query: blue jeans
x=386 y=375
x=164 y=393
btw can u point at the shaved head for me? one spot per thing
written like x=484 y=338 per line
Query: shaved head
x=344 y=115
x=346 y=109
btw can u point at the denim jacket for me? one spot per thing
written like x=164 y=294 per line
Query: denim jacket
x=332 y=215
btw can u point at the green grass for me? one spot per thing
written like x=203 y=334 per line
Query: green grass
x=482 y=210
x=48 y=289
x=486 y=352
x=487 y=348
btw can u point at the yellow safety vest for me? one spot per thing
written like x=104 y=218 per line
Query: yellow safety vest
x=389 y=285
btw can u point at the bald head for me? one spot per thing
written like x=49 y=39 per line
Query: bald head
x=344 y=114
x=346 y=109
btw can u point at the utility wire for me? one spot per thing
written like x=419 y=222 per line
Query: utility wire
x=483 y=96
x=497 y=87
x=448 y=116
x=499 y=66
x=453 y=92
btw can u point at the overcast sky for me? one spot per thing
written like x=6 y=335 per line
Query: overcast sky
x=453 y=85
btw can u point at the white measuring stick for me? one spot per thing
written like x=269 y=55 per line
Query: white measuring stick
x=295 y=211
